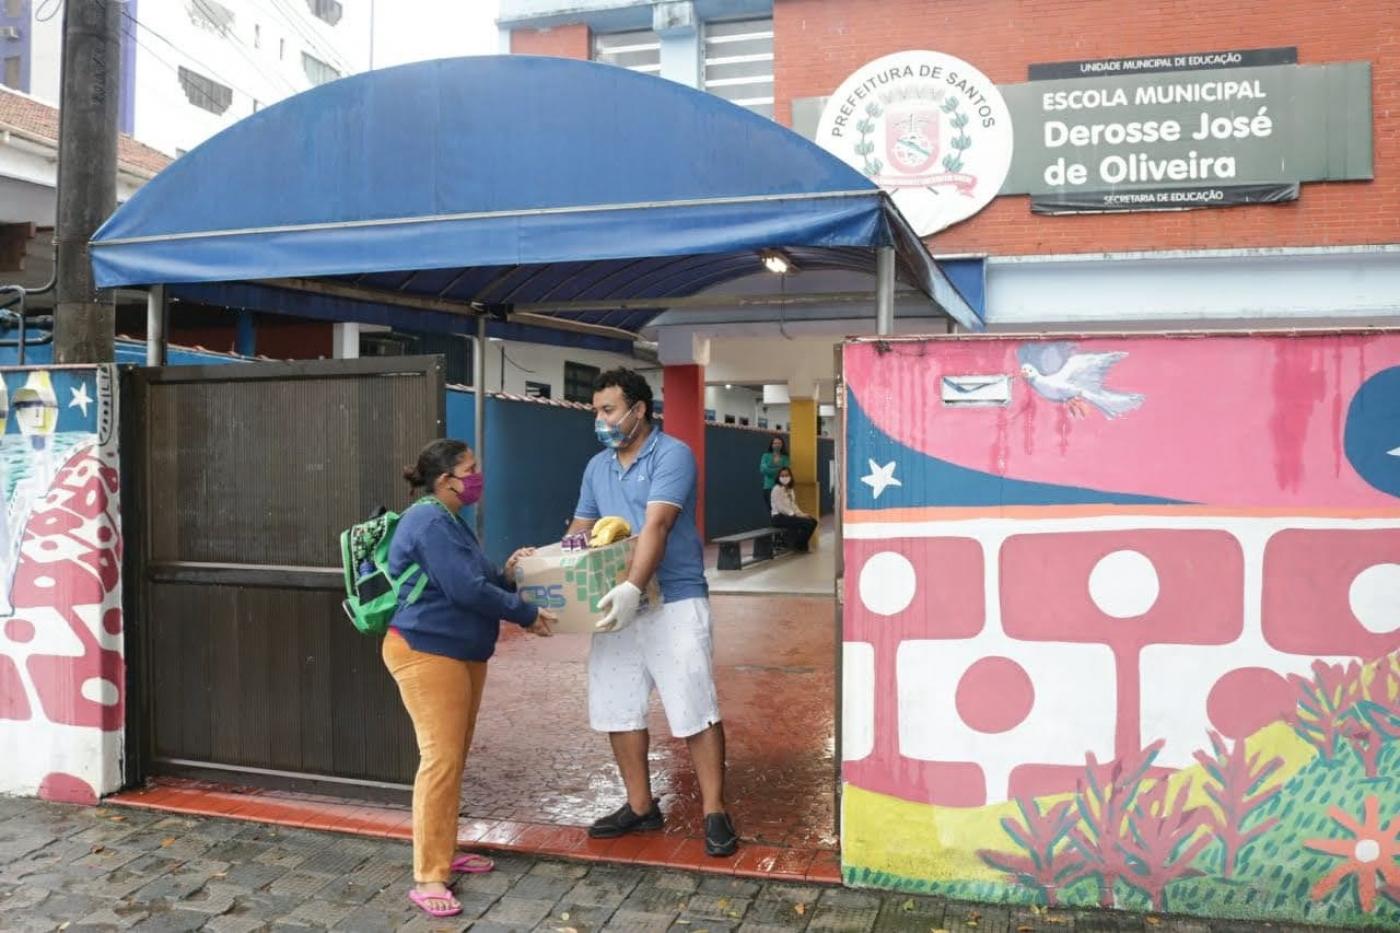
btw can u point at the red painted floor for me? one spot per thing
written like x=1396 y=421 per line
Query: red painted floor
x=537 y=775
x=535 y=759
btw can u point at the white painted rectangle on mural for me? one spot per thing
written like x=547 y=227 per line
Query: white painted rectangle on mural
x=857 y=700
x=990 y=390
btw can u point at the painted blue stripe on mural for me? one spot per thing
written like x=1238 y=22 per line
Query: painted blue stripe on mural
x=924 y=480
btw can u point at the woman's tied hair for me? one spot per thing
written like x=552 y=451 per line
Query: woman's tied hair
x=439 y=457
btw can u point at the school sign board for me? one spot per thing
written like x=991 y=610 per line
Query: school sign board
x=1173 y=132
x=1191 y=130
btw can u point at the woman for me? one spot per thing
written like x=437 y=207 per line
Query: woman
x=798 y=524
x=437 y=648
x=774 y=460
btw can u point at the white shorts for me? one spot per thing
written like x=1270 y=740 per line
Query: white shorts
x=668 y=648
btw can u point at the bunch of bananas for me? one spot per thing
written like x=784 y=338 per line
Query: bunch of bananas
x=608 y=530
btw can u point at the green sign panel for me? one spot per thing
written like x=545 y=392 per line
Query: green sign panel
x=1172 y=132
x=1168 y=132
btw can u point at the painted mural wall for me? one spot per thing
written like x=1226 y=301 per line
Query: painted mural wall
x=1122 y=623
x=62 y=675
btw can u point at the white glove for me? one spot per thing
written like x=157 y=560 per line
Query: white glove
x=621 y=602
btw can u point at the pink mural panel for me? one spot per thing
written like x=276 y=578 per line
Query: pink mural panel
x=1076 y=566
x=947 y=603
x=1320 y=574
x=1285 y=403
x=62 y=669
x=1125 y=590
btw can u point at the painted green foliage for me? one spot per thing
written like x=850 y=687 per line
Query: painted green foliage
x=1323 y=846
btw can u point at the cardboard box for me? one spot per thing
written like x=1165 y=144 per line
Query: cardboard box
x=571 y=582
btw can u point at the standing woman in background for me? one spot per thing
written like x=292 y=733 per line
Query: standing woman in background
x=774 y=461
x=437 y=648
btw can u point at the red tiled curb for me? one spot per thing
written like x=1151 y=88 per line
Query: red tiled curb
x=501 y=835
x=825 y=868
x=594 y=850
x=536 y=837
x=568 y=839
x=660 y=851
x=653 y=849
x=469 y=831
x=792 y=865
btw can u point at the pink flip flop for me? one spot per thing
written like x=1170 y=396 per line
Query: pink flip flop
x=472 y=864
x=422 y=898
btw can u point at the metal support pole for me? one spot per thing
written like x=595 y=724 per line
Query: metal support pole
x=245 y=339
x=884 y=291
x=157 y=317
x=479 y=400
x=19 y=292
x=84 y=319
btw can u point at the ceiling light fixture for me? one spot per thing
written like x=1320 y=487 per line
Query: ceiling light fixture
x=776 y=261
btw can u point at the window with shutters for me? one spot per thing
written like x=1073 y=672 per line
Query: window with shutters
x=578 y=382
x=328 y=11
x=739 y=63
x=211 y=16
x=317 y=71
x=205 y=93
x=636 y=51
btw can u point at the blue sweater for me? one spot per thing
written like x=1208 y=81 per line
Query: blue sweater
x=458 y=614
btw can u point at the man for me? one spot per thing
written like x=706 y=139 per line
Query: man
x=649 y=478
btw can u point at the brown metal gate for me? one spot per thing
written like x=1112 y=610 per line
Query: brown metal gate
x=241 y=479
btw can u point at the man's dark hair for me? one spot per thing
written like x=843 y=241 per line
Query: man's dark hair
x=634 y=386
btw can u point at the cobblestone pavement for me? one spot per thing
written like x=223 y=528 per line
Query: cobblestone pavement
x=109 y=868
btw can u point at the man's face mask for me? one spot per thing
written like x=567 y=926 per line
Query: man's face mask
x=615 y=435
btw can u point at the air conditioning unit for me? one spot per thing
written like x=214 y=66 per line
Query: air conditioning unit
x=9 y=32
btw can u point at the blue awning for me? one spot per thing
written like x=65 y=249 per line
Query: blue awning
x=505 y=180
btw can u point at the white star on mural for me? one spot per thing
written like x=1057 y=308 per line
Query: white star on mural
x=1395 y=452
x=81 y=399
x=880 y=477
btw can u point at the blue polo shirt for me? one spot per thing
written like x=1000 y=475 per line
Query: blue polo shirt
x=663 y=472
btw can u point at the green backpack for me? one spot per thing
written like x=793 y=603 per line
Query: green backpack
x=371 y=592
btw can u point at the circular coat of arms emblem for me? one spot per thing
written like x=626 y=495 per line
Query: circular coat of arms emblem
x=929 y=128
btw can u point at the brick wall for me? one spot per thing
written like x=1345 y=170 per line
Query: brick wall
x=561 y=42
x=818 y=43
x=279 y=340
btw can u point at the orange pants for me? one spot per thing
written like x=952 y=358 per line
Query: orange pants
x=442 y=696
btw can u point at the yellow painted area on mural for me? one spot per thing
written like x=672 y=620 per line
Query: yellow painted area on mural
x=919 y=840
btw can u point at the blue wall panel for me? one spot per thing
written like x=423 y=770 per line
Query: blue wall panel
x=129 y=352
x=535 y=455
x=826 y=452
x=733 y=485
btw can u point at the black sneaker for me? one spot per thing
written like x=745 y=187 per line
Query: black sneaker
x=623 y=821
x=720 y=837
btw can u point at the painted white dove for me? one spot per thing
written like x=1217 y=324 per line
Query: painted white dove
x=1056 y=372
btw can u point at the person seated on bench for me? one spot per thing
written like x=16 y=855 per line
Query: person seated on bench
x=787 y=516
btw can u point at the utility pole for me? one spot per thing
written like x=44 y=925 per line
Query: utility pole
x=84 y=322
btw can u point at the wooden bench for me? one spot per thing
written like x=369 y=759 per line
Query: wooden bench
x=767 y=544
